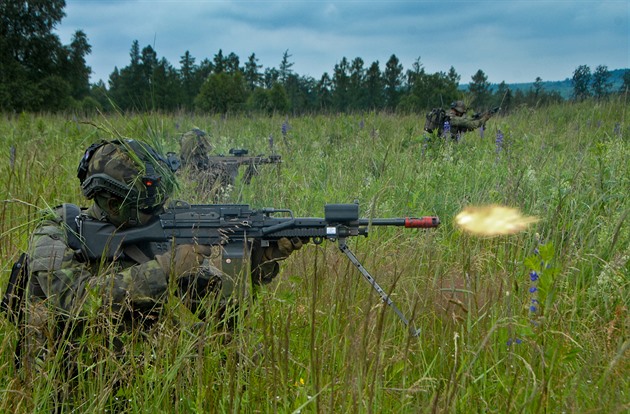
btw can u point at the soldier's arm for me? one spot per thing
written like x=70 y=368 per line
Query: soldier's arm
x=68 y=285
x=466 y=123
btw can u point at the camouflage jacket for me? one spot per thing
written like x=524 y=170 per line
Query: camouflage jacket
x=463 y=123
x=71 y=285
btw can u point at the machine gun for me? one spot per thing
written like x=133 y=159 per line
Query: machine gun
x=234 y=227
x=227 y=165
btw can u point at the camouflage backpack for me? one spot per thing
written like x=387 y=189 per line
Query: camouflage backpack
x=435 y=120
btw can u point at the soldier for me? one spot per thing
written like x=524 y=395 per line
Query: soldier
x=211 y=179
x=129 y=183
x=459 y=122
x=195 y=146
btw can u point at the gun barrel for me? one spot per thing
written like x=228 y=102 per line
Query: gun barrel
x=425 y=222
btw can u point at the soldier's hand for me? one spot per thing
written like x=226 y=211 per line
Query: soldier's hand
x=265 y=259
x=282 y=248
x=185 y=258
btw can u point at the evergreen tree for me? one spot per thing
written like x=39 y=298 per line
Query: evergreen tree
x=416 y=72
x=393 y=78
x=453 y=76
x=187 y=76
x=232 y=63
x=285 y=67
x=300 y=92
x=374 y=97
x=341 y=84
x=601 y=82
x=252 y=72
x=503 y=97
x=581 y=81
x=324 y=97
x=77 y=73
x=479 y=90
x=166 y=87
x=219 y=62
x=356 y=83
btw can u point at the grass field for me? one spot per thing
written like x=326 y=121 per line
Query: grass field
x=495 y=336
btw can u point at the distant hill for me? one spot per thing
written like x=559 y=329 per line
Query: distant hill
x=564 y=87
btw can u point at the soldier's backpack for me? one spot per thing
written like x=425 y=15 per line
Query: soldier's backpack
x=435 y=120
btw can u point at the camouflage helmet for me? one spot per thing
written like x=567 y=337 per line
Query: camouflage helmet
x=459 y=106
x=194 y=149
x=129 y=170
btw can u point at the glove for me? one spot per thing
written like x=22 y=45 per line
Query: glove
x=265 y=260
x=184 y=259
x=281 y=249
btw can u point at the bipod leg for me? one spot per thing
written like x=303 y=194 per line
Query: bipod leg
x=346 y=250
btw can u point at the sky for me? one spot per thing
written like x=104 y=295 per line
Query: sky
x=509 y=40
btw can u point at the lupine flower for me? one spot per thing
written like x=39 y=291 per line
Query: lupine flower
x=533 y=276
x=499 y=141
x=447 y=129
x=362 y=124
x=617 y=129
x=481 y=130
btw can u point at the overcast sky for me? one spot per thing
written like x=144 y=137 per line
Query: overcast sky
x=510 y=40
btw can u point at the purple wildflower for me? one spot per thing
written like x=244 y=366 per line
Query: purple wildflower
x=516 y=341
x=447 y=129
x=533 y=276
x=533 y=289
x=361 y=124
x=617 y=129
x=271 y=142
x=499 y=141
x=481 y=130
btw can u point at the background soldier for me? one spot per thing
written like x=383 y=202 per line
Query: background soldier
x=195 y=147
x=459 y=122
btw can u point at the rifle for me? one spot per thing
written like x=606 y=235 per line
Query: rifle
x=490 y=112
x=234 y=227
x=228 y=165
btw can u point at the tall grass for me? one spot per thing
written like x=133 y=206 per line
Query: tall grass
x=318 y=339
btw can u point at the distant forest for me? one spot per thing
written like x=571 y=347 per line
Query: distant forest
x=38 y=73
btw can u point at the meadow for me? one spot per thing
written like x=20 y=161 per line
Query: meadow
x=534 y=322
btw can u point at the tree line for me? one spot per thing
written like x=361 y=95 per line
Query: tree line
x=38 y=73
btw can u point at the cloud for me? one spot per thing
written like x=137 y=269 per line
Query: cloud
x=515 y=41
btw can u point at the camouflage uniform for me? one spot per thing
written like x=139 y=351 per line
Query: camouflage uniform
x=460 y=122
x=195 y=146
x=209 y=178
x=64 y=288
